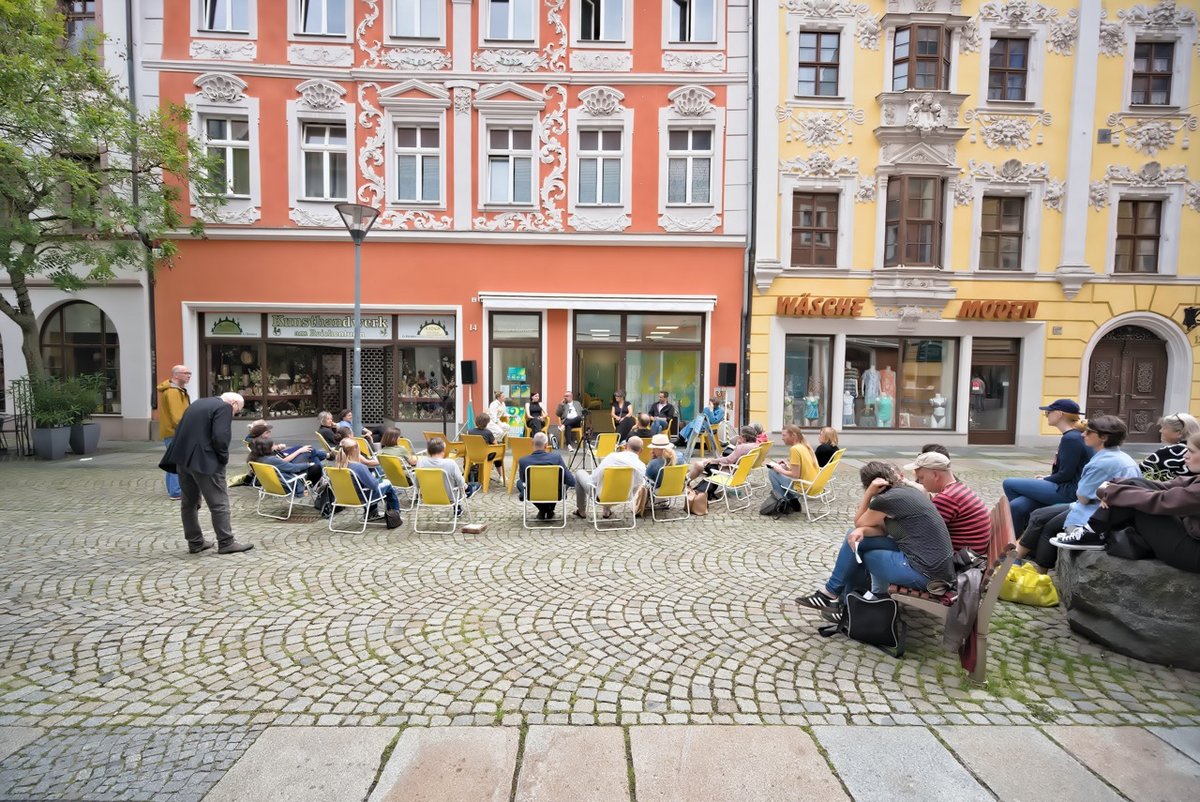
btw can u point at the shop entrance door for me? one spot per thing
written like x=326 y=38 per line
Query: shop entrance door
x=600 y=372
x=993 y=389
x=1127 y=377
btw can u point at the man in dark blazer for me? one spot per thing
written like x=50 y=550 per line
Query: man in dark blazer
x=198 y=454
x=662 y=412
x=542 y=455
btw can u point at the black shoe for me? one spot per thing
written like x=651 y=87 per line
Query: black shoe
x=233 y=547
x=1080 y=538
x=818 y=601
x=205 y=546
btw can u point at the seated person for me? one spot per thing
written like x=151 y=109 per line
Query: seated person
x=260 y=428
x=328 y=430
x=345 y=422
x=662 y=454
x=746 y=442
x=1104 y=436
x=484 y=430
x=1171 y=460
x=497 y=417
x=628 y=457
x=1026 y=495
x=643 y=428
x=349 y=456
x=622 y=416
x=827 y=445
x=570 y=417
x=800 y=464
x=899 y=536
x=291 y=466
x=661 y=414
x=967 y=517
x=435 y=457
x=535 y=414
x=390 y=444
x=542 y=455
x=707 y=420
x=1165 y=516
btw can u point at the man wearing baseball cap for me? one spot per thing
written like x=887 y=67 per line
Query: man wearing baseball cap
x=964 y=512
x=1027 y=495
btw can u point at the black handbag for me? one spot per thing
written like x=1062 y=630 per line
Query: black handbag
x=1127 y=544
x=873 y=621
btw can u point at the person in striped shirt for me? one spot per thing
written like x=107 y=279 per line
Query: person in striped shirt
x=960 y=507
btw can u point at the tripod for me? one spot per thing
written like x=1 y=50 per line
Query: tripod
x=585 y=445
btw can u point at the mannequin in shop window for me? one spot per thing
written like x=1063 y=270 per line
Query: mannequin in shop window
x=849 y=393
x=938 y=402
x=978 y=391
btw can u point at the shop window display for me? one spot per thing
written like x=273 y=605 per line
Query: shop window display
x=238 y=368
x=516 y=360
x=807 y=366
x=899 y=383
x=426 y=376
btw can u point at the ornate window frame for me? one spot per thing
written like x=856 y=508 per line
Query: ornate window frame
x=692 y=106
x=430 y=110
x=320 y=102
x=1184 y=38
x=297 y=35
x=389 y=17
x=844 y=27
x=838 y=176
x=601 y=107
x=889 y=22
x=223 y=95
x=719 y=25
x=1171 y=194
x=199 y=31
x=624 y=43
x=1031 y=226
x=484 y=21
x=926 y=170
x=1035 y=72
x=496 y=111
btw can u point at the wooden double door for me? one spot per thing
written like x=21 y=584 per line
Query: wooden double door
x=1127 y=377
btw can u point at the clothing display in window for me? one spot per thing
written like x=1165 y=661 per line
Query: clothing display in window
x=884 y=408
x=887 y=382
x=812 y=409
x=870 y=384
x=850 y=382
x=847 y=408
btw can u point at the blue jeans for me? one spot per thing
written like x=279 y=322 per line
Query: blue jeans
x=172 y=478
x=891 y=568
x=847 y=573
x=781 y=486
x=1027 y=495
x=658 y=425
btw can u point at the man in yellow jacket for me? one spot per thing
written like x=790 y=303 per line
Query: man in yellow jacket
x=173 y=400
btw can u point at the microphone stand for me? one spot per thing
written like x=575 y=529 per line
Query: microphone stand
x=449 y=391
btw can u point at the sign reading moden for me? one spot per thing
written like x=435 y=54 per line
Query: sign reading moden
x=997 y=310
x=318 y=326
x=808 y=305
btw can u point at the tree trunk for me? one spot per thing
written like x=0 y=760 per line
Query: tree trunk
x=31 y=347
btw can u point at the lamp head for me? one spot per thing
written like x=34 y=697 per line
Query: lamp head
x=358 y=219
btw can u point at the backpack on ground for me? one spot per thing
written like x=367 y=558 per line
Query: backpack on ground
x=776 y=507
x=322 y=496
x=877 y=622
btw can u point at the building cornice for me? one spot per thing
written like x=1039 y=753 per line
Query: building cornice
x=473 y=237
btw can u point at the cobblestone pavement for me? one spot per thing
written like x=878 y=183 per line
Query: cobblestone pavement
x=106 y=621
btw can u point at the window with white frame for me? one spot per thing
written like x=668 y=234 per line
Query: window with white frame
x=227 y=16
x=323 y=146
x=689 y=166
x=600 y=167
x=921 y=58
x=1153 y=67
x=693 y=21
x=601 y=20
x=818 y=64
x=418 y=19
x=511 y=20
x=418 y=163
x=227 y=141
x=323 y=17
x=510 y=165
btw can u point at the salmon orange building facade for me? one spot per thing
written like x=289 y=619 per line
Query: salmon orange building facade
x=563 y=189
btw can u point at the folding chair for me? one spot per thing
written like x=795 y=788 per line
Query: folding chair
x=325 y=446
x=672 y=485
x=563 y=433
x=760 y=468
x=819 y=489
x=349 y=494
x=606 y=444
x=517 y=447
x=364 y=446
x=434 y=493
x=544 y=485
x=398 y=474
x=274 y=484
x=737 y=482
x=616 y=489
x=454 y=448
x=480 y=453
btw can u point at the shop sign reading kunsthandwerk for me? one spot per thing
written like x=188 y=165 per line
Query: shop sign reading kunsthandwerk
x=321 y=326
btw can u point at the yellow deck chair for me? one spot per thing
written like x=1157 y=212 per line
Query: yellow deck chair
x=644 y=455
x=709 y=441
x=818 y=491
x=325 y=446
x=517 y=447
x=404 y=441
x=606 y=444
x=454 y=448
x=398 y=474
x=346 y=496
x=274 y=484
x=544 y=485
x=478 y=453
x=364 y=447
x=434 y=493
x=758 y=474
x=562 y=432
x=616 y=489
x=673 y=485
x=738 y=482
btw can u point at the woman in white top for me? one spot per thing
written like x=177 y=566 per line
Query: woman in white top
x=498 y=411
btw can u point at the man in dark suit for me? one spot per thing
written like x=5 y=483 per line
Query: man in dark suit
x=542 y=455
x=662 y=412
x=199 y=454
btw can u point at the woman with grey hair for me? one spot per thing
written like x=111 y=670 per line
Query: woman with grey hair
x=1171 y=460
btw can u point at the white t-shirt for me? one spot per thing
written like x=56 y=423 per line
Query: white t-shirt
x=621 y=459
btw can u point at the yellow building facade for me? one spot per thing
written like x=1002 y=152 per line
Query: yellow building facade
x=967 y=210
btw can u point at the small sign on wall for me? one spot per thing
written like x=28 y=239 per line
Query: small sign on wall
x=232 y=324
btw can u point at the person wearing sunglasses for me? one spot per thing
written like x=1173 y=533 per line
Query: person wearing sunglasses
x=1171 y=460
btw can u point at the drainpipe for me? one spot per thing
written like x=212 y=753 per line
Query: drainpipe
x=748 y=266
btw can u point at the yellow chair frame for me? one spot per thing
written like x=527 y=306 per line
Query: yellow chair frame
x=616 y=489
x=348 y=493
x=325 y=446
x=399 y=475
x=606 y=443
x=739 y=480
x=454 y=448
x=562 y=430
x=271 y=482
x=819 y=490
x=760 y=468
x=517 y=447
x=673 y=486
x=478 y=451
x=544 y=484
x=434 y=493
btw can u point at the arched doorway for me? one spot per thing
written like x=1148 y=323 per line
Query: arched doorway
x=78 y=338
x=1127 y=377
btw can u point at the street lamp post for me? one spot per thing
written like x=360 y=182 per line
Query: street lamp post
x=358 y=219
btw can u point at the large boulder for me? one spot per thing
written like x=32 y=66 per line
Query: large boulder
x=1140 y=608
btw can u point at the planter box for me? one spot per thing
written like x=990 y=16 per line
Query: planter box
x=85 y=438
x=51 y=443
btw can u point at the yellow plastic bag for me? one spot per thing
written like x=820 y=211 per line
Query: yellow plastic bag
x=1024 y=585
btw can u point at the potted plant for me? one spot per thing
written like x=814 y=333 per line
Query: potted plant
x=86 y=390
x=53 y=411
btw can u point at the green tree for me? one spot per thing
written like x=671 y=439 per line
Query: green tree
x=87 y=184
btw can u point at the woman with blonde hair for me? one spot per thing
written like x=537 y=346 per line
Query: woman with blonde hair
x=800 y=464
x=662 y=454
x=827 y=445
x=349 y=456
x=1027 y=495
x=1171 y=460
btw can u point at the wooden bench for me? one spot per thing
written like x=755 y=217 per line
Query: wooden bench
x=1002 y=553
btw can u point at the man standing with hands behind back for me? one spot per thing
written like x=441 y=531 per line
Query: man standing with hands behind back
x=173 y=401
x=199 y=453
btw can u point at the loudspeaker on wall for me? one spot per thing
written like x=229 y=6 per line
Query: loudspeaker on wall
x=727 y=374
x=466 y=372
